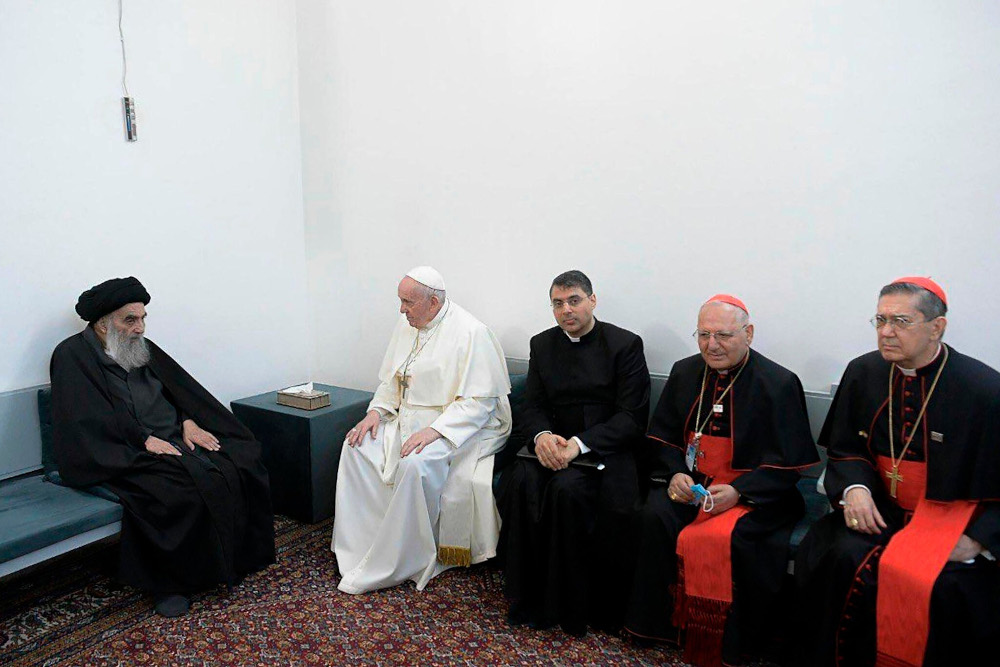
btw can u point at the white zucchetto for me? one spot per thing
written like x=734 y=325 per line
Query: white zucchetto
x=427 y=276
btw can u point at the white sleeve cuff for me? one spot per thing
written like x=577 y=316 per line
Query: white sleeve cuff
x=579 y=443
x=535 y=439
x=853 y=486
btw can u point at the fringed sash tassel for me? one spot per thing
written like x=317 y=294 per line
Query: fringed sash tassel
x=456 y=556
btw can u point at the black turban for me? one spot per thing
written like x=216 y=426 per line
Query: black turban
x=109 y=296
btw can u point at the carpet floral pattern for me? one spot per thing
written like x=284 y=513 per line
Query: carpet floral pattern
x=74 y=613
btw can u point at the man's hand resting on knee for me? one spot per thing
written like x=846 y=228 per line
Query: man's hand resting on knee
x=156 y=446
x=966 y=549
x=196 y=435
x=416 y=442
x=367 y=425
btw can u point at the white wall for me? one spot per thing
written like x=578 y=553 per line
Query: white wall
x=797 y=154
x=206 y=208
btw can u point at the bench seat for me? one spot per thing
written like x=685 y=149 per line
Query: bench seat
x=39 y=520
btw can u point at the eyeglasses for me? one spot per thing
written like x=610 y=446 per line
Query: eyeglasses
x=721 y=337
x=573 y=302
x=896 y=322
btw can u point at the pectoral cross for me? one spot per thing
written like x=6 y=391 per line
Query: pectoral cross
x=894 y=477
x=404 y=383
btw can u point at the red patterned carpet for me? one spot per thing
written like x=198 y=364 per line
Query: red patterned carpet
x=73 y=613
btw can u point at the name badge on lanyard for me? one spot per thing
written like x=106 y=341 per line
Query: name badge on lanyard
x=717 y=408
x=691 y=455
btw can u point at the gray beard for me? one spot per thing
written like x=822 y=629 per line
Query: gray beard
x=130 y=352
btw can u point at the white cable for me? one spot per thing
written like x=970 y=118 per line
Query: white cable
x=121 y=37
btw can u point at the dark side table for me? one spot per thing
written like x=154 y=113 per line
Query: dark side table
x=302 y=447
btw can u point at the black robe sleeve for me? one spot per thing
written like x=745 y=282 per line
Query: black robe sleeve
x=844 y=435
x=628 y=423
x=94 y=437
x=666 y=428
x=985 y=528
x=784 y=406
x=535 y=410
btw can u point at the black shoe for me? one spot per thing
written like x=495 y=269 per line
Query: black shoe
x=518 y=616
x=171 y=605
x=574 y=630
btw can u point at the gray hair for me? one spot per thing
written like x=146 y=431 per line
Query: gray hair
x=928 y=303
x=429 y=292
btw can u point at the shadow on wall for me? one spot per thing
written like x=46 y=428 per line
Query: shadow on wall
x=664 y=346
x=45 y=335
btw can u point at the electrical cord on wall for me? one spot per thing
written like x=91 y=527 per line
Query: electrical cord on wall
x=128 y=104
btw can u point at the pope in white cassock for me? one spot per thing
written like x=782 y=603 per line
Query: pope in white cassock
x=414 y=492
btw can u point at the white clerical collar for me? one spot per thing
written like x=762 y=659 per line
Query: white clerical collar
x=437 y=318
x=579 y=338
x=912 y=372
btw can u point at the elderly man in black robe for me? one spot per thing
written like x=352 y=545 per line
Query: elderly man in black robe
x=565 y=512
x=903 y=572
x=710 y=569
x=196 y=500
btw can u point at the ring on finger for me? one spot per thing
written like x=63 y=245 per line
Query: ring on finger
x=854 y=522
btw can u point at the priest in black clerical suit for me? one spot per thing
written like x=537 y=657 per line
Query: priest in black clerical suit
x=565 y=513
x=196 y=499
x=709 y=573
x=904 y=570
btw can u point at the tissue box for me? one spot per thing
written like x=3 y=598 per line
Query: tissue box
x=304 y=400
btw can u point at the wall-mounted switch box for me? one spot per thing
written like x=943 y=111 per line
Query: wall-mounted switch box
x=128 y=106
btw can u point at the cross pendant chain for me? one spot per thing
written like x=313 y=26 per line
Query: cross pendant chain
x=404 y=383
x=894 y=478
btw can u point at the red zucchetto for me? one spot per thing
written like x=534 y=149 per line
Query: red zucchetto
x=927 y=284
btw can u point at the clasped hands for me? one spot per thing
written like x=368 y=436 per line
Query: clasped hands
x=724 y=495
x=861 y=514
x=370 y=424
x=192 y=435
x=554 y=451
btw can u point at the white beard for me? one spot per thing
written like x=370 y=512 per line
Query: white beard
x=130 y=352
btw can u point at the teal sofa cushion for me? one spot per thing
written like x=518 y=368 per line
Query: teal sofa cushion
x=35 y=514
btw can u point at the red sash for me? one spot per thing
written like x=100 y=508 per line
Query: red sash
x=704 y=563
x=911 y=564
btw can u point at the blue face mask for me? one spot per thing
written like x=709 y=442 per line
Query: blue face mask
x=702 y=497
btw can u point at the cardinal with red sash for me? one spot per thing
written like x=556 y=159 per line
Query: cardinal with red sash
x=903 y=573
x=710 y=565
